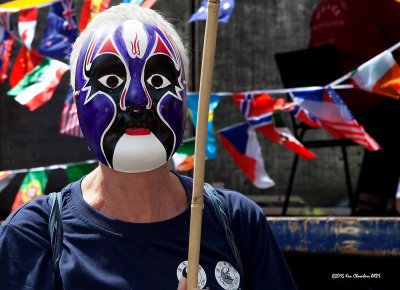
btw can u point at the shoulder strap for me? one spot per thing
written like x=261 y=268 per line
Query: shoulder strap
x=223 y=219
x=55 y=227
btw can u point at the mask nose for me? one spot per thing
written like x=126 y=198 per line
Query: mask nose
x=135 y=98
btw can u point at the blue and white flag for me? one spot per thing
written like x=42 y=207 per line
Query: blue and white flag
x=61 y=30
x=225 y=11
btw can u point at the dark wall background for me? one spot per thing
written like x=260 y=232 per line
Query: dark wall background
x=244 y=61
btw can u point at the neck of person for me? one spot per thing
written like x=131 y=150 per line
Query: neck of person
x=144 y=197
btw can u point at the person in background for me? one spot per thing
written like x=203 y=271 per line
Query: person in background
x=126 y=224
x=360 y=30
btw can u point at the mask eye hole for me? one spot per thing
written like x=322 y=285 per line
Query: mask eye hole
x=158 y=81
x=111 y=81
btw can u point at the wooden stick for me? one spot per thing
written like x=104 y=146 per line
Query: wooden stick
x=197 y=206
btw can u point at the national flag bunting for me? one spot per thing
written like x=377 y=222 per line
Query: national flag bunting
x=77 y=171
x=89 y=10
x=33 y=185
x=334 y=115
x=302 y=114
x=242 y=145
x=69 y=123
x=6 y=42
x=27 y=20
x=38 y=86
x=192 y=104
x=26 y=61
x=380 y=75
x=5 y=178
x=258 y=109
x=225 y=11
x=289 y=141
x=184 y=157
x=60 y=31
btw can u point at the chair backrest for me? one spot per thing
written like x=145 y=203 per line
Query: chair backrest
x=317 y=66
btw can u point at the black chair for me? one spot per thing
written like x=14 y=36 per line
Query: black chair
x=312 y=67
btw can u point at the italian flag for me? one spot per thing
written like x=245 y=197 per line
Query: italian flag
x=33 y=185
x=184 y=157
x=379 y=75
x=37 y=87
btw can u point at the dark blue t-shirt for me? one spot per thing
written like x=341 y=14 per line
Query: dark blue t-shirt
x=100 y=252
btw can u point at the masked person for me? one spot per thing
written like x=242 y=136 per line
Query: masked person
x=126 y=224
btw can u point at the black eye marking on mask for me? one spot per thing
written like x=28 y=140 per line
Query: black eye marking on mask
x=107 y=73
x=161 y=76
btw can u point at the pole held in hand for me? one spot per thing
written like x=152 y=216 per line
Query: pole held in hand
x=197 y=204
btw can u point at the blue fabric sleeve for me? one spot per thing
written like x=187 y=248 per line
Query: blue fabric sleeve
x=25 y=250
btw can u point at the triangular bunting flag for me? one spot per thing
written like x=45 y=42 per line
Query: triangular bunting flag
x=192 y=103
x=60 y=31
x=6 y=42
x=334 y=115
x=26 y=61
x=77 y=171
x=5 y=178
x=184 y=157
x=89 y=10
x=225 y=11
x=38 y=86
x=27 y=20
x=379 y=75
x=33 y=185
x=69 y=122
x=242 y=145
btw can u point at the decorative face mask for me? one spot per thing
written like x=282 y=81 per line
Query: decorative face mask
x=132 y=96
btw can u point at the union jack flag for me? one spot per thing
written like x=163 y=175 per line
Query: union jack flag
x=69 y=123
x=69 y=13
x=329 y=110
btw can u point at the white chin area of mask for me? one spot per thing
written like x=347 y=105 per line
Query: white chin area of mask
x=138 y=153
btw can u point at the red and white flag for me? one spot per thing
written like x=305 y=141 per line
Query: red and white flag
x=27 y=20
x=69 y=123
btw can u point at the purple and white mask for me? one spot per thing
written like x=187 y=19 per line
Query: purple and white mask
x=132 y=96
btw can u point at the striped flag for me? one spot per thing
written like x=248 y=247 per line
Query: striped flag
x=89 y=10
x=33 y=185
x=242 y=145
x=184 y=157
x=38 y=86
x=259 y=110
x=334 y=115
x=6 y=42
x=379 y=75
x=69 y=123
x=27 y=20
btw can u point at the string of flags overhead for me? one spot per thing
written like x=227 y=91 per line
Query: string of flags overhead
x=36 y=74
x=35 y=180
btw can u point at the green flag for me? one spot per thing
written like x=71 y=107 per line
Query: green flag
x=77 y=171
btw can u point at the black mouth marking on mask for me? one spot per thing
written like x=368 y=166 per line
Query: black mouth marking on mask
x=142 y=118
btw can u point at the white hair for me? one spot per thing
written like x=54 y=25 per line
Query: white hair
x=126 y=11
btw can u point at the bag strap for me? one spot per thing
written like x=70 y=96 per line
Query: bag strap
x=223 y=219
x=56 y=228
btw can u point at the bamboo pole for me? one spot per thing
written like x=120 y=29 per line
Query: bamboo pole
x=197 y=205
